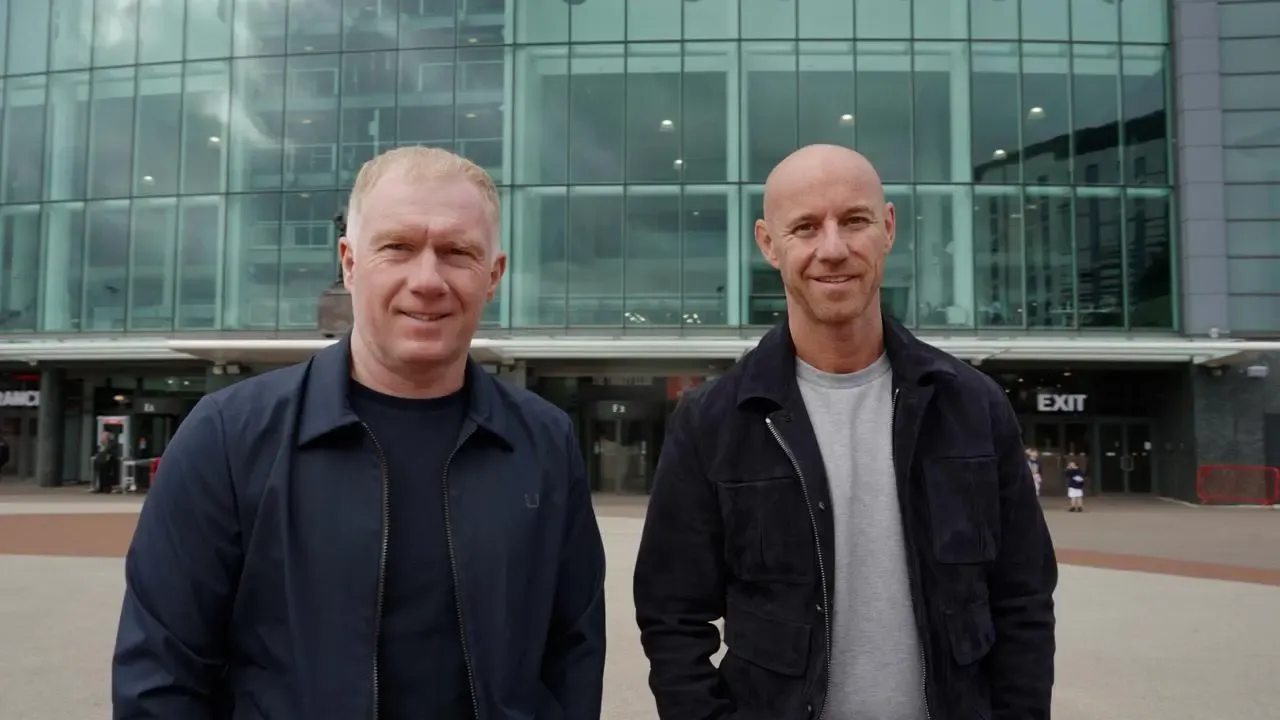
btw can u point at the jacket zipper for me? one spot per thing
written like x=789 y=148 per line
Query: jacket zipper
x=924 y=663
x=817 y=546
x=453 y=567
x=382 y=564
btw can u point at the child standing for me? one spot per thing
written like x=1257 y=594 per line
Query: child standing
x=1075 y=487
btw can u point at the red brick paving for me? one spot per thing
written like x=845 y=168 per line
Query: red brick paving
x=108 y=534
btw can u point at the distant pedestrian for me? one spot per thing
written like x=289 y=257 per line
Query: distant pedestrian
x=1075 y=487
x=106 y=464
x=1033 y=463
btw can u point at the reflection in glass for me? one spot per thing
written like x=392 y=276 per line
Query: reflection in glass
x=596 y=271
x=308 y=256
x=940 y=83
x=652 y=101
x=826 y=94
x=71 y=37
x=157 y=140
x=708 y=80
x=998 y=257
x=598 y=116
x=1046 y=19
x=259 y=27
x=62 y=279
x=996 y=111
x=256 y=124
x=825 y=19
x=884 y=113
x=24 y=139
x=158 y=40
x=152 y=264
x=372 y=25
x=1095 y=21
x=250 y=298
x=992 y=20
x=111 y=134
x=710 y=19
x=896 y=292
x=209 y=28
x=1149 y=259
x=67 y=127
x=940 y=19
x=1050 y=258
x=19 y=267
x=311 y=121
x=1099 y=258
x=944 y=257
x=1146 y=122
x=106 y=289
x=315 y=26
x=423 y=107
x=199 y=265
x=652 y=259
x=542 y=21
x=769 y=113
x=206 y=92
x=422 y=23
x=876 y=19
x=708 y=221
x=539 y=276
x=768 y=19
x=541 y=120
x=368 y=113
x=480 y=116
x=28 y=38
x=1096 y=109
x=1046 y=114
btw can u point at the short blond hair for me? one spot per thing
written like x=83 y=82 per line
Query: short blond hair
x=418 y=163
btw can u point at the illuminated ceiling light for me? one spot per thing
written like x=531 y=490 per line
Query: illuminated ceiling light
x=471 y=116
x=306 y=121
x=678 y=164
x=472 y=40
x=999 y=154
x=1035 y=113
x=666 y=126
x=846 y=119
x=147 y=179
x=214 y=139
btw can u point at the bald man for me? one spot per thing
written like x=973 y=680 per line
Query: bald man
x=852 y=502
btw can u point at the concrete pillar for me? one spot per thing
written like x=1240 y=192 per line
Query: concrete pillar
x=517 y=374
x=50 y=432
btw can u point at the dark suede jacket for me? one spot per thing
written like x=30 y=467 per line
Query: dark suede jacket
x=738 y=528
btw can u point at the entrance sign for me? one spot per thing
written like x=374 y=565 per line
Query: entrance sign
x=1048 y=402
x=20 y=398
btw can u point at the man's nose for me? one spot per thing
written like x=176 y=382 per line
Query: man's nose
x=424 y=274
x=832 y=246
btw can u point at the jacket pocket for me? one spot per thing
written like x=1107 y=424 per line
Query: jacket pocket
x=971 y=632
x=964 y=508
x=780 y=646
x=768 y=536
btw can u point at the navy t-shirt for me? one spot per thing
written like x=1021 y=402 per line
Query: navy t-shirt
x=422 y=673
x=1075 y=478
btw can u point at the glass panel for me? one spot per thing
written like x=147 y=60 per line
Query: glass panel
x=1251 y=19
x=708 y=120
x=1050 y=257
x=1252 y=165
x=209 y=30
x=542 y=21
x=1078 y=437
x=1144 y=21
x=371 y=25
x=1045 y=19
x=944 y=260
x=1252 y=55
x=1095 y=21
x=884 y=107
x=111 y=134
x=252 y=286
x=424 y=101
x=1046 y=438
x=940 y=19
x=993 y=20
x=206 y=90
x=308 y=256
x=598 y=21
x=315 y=26
x=157 y=140
x=256 y=126
x=896 y=291
x=1149 y=242
x=71 y=38
x=1096 y=106
x=495 y=312
x=106 y=288
x=768 y=19
x=765 y=298
x=115 y=31
x=998 y=256
x=29 y=30
x=21 y=176
x=769 y=113
x=368 y=114
x=652 y=102
x=1138 y=445
x=199 y=272
x=541 y=120
x=996 y=111
x=598 y=130
x=1254 y=275
x=63 y=277
x=942 y=96
x=711 y=19
x=4 y=32
x=708 y=224
x=596 y=270
x=1046 y=114
x=19 y=267
x=480 y=115
x=483 y=23
x=260 y=27
x=1110 y=476
x=1146 y=124
x=157 y=29
x=311 y=121
x=1099 y=259
x=825 y=19
x=425 y=23
x=826 y=92
x=877 y=19
x=152 y=264
x=539 y=277
x=652 y=261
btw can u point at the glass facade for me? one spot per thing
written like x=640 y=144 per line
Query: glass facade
x=171 y=166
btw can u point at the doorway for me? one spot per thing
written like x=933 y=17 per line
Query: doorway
x=1124 y=457
x=623 y=440
x=1059 y=443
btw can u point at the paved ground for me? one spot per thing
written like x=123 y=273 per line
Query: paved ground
x=1161 y=643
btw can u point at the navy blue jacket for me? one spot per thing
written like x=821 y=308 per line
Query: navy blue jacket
x=254 y=576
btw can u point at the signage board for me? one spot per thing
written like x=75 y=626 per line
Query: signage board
x=20 y=398
x=1051 y=402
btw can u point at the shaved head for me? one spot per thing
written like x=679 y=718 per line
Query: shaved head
x=828 y=230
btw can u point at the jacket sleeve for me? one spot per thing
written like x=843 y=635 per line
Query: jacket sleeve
x=679 y=582
x=1021 y=583
x=573 y=663
x=180 y=576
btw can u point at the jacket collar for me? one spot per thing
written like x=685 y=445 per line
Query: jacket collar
x=326 y=405
x=769 y=370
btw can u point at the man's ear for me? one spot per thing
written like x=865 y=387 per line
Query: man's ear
x=346 y=261
x=890 y=226
x=764 y=241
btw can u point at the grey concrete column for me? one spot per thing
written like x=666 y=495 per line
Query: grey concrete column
x=517 y=374
x=50 y=433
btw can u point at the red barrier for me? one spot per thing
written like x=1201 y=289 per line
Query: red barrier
x=1238 y=485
